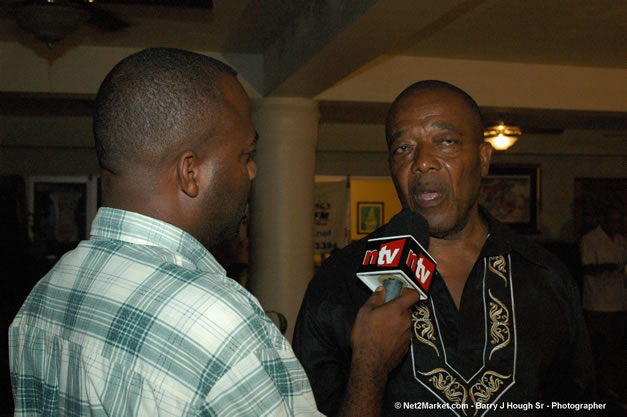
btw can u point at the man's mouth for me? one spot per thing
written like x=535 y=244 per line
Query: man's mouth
x=428 y=195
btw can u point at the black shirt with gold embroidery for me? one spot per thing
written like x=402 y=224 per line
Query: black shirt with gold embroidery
x=517 y=345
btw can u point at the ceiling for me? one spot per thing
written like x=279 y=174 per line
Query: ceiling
x=575 y=32
x=308 y=46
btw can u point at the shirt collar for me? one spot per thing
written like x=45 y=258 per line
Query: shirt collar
x=127 y=226
x=502 y=240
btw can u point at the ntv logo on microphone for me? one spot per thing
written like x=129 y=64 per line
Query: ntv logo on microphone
x=388 y=254
x=398 y=256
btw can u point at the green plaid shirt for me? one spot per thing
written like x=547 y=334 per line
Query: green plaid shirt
x=141 y=320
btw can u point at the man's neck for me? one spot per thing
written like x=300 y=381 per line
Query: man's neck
x=457 y=255
x=470 y=239
x=143 y=196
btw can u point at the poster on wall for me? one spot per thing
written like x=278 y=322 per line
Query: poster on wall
x=330 y=216
x=369 y=216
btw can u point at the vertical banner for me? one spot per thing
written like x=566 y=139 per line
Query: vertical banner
x=330 y=215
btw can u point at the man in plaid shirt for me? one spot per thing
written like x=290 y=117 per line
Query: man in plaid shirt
x=140 y=320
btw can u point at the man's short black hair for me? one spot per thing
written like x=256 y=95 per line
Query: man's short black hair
x=151 y=101
x=432 y=85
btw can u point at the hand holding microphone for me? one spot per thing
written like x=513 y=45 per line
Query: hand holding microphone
x=382 y=330
x=399 y=259
x=379 y=341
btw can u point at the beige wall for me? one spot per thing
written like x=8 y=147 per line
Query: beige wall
x=506 y=84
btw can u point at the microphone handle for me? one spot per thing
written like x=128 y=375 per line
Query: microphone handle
x=392 y=288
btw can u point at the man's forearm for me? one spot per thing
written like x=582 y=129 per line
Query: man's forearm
x=364 y=391
x=379 y=340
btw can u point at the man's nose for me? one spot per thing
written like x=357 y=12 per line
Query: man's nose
x=425 y=160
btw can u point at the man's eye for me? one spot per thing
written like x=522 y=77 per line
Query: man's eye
x=252 y=155
x=449 y=141
x=401 y=149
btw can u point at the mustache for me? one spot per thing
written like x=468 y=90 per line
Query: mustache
x=426 y=185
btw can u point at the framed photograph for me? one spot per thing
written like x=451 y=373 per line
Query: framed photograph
x=511 y=193
x=60 y=211
x=369 y=216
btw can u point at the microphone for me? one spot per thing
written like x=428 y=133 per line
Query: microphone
x=399 y=259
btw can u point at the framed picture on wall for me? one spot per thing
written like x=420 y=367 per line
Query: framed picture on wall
x=511 y=193
x=369 y=216
x=60 y=209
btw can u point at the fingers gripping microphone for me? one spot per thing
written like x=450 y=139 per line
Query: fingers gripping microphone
x=399 y=259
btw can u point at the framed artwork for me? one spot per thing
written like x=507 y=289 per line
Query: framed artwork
x=60 y=210
x=369 y=216
x=592 y=197
x=511 y=193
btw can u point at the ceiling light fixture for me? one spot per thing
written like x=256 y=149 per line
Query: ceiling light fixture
x=502 y=136
x=51 y=21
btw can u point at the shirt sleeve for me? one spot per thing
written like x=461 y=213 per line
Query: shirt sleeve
x=321 y=342
x=266 y=382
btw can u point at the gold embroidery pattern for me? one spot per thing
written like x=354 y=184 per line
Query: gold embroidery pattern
x=488 y=384
x=499 y=330
x=423 y=327
x=446 y=383
x=484 y=386
x=498 y=265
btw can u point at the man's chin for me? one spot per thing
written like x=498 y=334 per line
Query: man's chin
x=439 y=228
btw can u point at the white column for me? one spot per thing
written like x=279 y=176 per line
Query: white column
x=281 y=238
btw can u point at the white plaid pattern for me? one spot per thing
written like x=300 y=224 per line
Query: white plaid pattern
x=141 y=320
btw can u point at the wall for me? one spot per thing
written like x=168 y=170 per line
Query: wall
x=506 y=84
x=39 y=145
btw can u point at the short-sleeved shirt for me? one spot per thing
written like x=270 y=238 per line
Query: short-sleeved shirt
x=606 y=291
x=140 y=320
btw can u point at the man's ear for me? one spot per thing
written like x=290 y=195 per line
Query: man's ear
x=485 y=154
x=187 y=167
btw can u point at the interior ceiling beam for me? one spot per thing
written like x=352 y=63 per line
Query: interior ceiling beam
x=290 y=61
x=349 y=112
x=348 y=34
x=46 y=104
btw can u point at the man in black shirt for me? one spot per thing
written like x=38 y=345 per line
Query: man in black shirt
x=502 y=332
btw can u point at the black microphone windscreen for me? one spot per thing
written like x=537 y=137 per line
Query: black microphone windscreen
x=396 y=256
x=408 y=222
